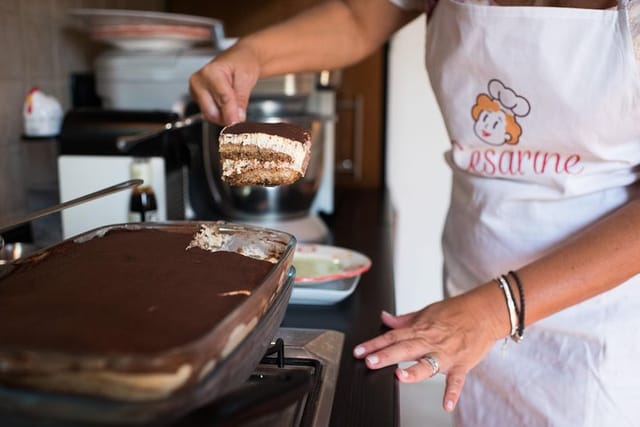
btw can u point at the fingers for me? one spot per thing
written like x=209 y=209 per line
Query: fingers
x=395 y=322
x=243 y=84
x=423 y=370
x=390 y=348
x=200 y=93
x=213 y=90
x=224 y=94
x=400 y=333
x=452 y=390
x=222 y=87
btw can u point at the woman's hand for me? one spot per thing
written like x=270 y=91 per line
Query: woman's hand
x=329 y=35
x=457 y=332
x=222 y=87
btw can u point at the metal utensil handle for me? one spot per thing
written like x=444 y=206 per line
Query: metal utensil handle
x=127 y=142
x=55 y=208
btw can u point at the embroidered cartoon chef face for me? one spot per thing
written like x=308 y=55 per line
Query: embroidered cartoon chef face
x=495 y=115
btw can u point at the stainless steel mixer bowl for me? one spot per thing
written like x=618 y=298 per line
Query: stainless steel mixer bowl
x=258 y=203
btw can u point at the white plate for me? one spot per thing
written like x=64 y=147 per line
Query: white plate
x=320 y=263
x=326 y=274
x=146 y=30
x=325 y=293
x=164 y=43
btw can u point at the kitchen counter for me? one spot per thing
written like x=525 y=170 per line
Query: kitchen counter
x=362 y=222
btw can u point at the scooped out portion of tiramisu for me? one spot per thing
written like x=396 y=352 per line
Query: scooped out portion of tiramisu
x=253 y=153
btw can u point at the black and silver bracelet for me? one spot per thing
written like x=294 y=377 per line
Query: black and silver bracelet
x=511 y=306
x=521 y=309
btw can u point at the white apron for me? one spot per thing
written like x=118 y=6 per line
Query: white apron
x=542 y=106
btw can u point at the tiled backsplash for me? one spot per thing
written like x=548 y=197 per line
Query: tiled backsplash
x=41 y=46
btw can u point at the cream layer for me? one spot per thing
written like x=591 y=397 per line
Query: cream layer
x=235 y=167
x=294 y=149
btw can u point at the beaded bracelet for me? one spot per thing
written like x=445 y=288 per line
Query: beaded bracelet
x=521 y=318
x=511 y=306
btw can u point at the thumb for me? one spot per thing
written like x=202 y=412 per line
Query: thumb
x=395 y=322
x=231 y=111
x=243 y=84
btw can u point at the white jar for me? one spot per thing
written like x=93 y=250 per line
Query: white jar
x=42 y=114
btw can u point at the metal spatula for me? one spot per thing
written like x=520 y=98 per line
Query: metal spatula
x=64 y=205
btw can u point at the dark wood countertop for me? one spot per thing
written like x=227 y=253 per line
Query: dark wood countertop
x=362 y=222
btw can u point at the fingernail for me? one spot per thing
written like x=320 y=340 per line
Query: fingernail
x=404 y=373
x=358 y=351
x=242 y=116
x=373 y=359
x=448 y=405
x=212 y=114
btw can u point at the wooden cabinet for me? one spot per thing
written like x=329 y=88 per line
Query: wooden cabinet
x=360 y=124
x=360 y=95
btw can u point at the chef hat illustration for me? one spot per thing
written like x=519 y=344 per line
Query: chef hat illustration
x=517 y=105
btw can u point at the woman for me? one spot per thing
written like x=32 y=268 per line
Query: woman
x=542 y=238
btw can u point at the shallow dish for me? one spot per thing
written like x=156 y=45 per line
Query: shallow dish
x=324 y=293
x=316 y=264
x=326 y=275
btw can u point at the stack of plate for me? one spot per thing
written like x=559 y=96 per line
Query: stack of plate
x=148 y=30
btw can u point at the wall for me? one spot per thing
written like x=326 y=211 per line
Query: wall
x=419 y=181
x=40 y=48
x=417 y=175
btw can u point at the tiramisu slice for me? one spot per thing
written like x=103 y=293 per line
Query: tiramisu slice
x=253 y=153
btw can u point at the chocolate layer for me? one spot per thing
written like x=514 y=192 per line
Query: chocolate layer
x=127 y=292
x=285 y=130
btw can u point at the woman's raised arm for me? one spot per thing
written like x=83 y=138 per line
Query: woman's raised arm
x=331 y=35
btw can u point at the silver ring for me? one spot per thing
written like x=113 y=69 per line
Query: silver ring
x=431 y=360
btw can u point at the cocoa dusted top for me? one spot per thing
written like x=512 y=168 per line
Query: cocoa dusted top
x=134 y=292
x=285 y=130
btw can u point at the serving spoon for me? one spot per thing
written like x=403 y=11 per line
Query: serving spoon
x=64 y=205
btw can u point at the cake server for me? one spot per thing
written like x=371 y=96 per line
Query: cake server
x=64 y=205
x=126 y=143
